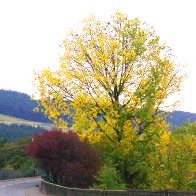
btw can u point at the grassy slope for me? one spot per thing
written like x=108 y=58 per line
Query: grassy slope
x=13 y=120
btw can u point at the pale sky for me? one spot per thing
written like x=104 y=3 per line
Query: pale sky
x=32 y=30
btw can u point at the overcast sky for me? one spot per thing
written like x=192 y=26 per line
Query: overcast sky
x=32 y=30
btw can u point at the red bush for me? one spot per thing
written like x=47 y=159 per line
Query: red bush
x=68 y=160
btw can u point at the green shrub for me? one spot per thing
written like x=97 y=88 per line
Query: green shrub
x=109 y=178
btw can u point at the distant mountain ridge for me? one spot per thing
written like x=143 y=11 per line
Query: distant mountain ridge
x=176 y=118
x=10 y=120
x=21 y=105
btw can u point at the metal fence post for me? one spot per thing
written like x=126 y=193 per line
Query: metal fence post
x=104 y=192
x=128 y=191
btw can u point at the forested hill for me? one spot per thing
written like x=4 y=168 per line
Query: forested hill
x=19 y=105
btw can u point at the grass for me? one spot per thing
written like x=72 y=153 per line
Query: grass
x=13 y=120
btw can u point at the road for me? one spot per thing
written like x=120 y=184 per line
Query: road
x=20 y=187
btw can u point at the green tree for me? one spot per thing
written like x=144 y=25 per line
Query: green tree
x=13 y=155
x=174 y=159
x=109 y=178
x=182 y=156
x=3 y=142
x=113 y=80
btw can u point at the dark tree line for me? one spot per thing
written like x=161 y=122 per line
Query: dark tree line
x=13 y=132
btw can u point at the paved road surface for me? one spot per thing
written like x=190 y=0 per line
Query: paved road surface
x=20 y=187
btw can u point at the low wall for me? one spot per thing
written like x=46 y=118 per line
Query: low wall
x=54 y=189
x=10 y=173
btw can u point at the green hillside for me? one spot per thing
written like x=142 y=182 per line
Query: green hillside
x=13 y=120
x=12 y=128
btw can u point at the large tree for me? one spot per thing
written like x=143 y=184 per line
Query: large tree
x=114 y=76
x=113 y=80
